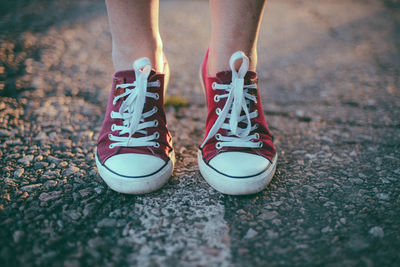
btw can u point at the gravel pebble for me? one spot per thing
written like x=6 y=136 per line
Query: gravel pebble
x=85 y=192
x=63 y=164
x=50 y=184
x=71 y=170
x=18 y=173
x=31 y=187
x=18 y=235
x=26 y=160
x=267 y=215
x=250 y=233
x=40 y=165
x=326 y=229
x=54 y=160
x=55 y=173
x=74 y=215
x=98 y=190
x=376 y=231
x=50 y=196
x=107 y=222
x=383 y=196
x=41 y=136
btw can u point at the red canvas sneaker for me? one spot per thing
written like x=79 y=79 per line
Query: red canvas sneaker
x=134 y=149
x=237 y=156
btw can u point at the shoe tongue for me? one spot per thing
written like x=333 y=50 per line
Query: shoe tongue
x=128 y=76
x=225 y=77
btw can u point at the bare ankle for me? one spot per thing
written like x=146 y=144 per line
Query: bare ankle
x=219 y=59
x=124 y=56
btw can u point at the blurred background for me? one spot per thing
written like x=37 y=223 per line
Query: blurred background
x=329 y=76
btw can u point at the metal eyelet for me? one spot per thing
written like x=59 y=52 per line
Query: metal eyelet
x=155 y=109
x=213 y=85
x=218 y=136
x=110 y=136
x=218 y=145
x=216 y=98
x=155 y=123
x=218 y=111
x=157 y=96
x=156 y=145
x=113 y=127
x=260 y=144
x=157 y=135
x=257 y=136
x=111 y=146
x=257 y=125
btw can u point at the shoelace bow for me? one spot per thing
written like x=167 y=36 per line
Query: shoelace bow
x=131 y=110
x=238 y=100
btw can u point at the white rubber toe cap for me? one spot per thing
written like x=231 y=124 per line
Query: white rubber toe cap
x=239 y=164
x=134 y=165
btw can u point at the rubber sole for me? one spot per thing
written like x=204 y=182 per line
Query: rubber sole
x=137 y=185
x=236 y=185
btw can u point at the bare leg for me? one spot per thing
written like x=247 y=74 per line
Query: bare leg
x=135 y=33
x=235 y=26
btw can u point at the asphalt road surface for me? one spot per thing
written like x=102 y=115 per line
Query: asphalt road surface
x=329 y=73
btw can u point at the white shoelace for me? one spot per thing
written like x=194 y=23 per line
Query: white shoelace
x=238 y=99
x=131 y=110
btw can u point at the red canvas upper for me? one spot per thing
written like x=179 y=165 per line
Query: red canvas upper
x=128 y=76
x=225 y=77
